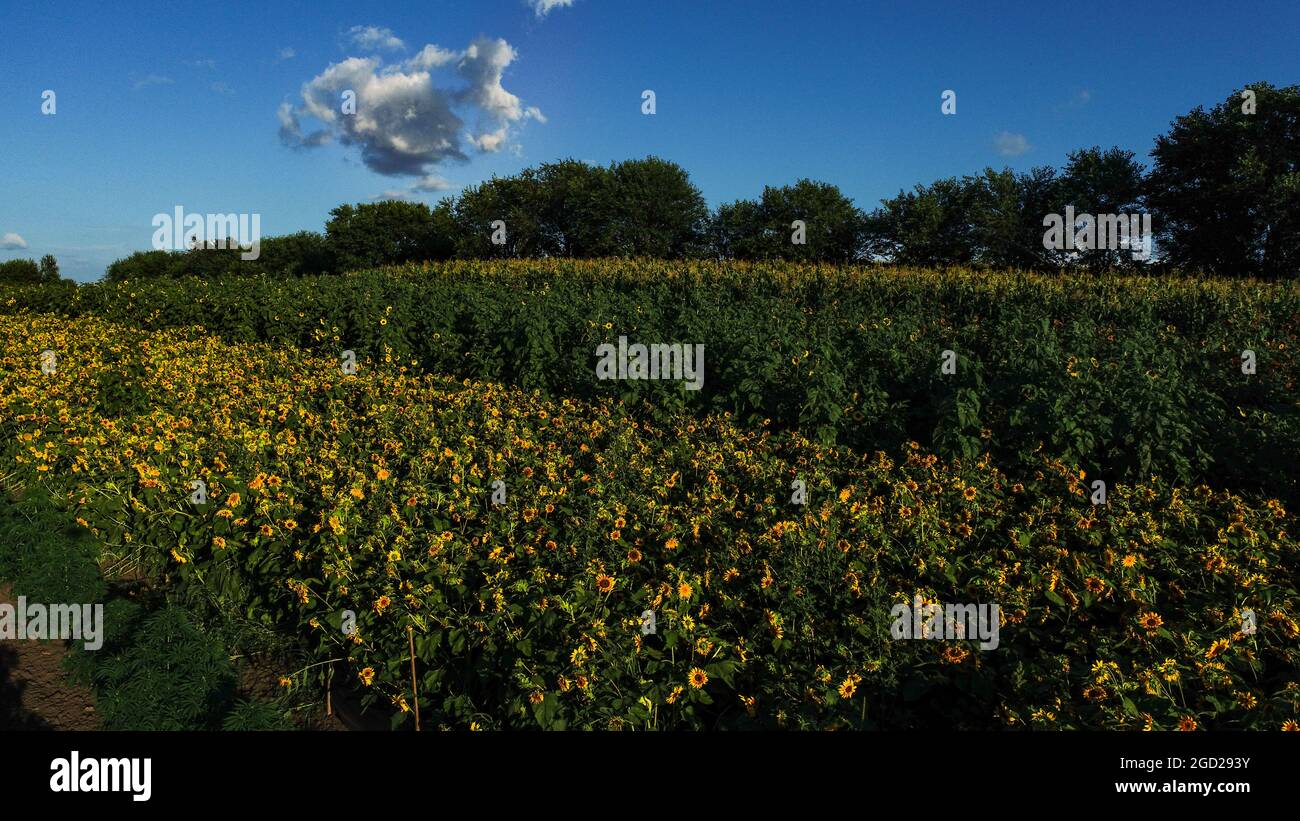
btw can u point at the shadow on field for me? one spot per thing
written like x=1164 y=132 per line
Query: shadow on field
x=12 y=714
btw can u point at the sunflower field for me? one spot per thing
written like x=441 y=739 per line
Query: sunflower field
x=1125 y=377
x=471 y=492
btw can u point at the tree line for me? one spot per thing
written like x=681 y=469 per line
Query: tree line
x=1223 y=192
x=29 y=270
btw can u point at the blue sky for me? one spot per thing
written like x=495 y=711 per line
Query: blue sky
x=160 y=105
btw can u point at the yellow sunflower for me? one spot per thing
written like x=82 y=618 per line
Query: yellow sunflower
x=1150 y=622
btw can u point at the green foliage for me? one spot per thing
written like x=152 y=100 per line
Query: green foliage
x=1006 y=218
x=305 y=253
x=516 y=201
x=646 y=207
x=995 y=219
x=1127 y=376
x=385 y=233
x=49 y=268
x=252 y=715
x=655 y=211
x=1225 y=186
x=153 y=671
x=770 y=613
x=301 y=254
x=833 y=227
x=122 y=618
x=46 y=557
x=171 y=677
x=1101 y=182
x=144 y=265
x=927 y=226
x=20 y=271
x=735 y=231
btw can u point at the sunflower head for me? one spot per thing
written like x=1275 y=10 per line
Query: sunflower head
x=1150 y=622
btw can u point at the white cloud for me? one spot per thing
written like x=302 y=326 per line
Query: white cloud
x=286 y=53
x=371 y=38
x=433 y=182
x=430 y=184
x=11 y=241
x=201 y=63
x=490 y=142
x=407 y=121
x=153 y=80
x=222 y=88
x=483 y=66
x=432 y=56
x=543 y=7
x=1011 y=145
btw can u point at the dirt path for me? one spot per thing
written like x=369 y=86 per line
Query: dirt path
x=35 y=693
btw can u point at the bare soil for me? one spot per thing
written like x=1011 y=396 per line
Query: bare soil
x=35 y=692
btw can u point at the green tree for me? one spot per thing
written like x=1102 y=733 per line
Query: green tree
x=385 y=233
x=49 y=269
x=20 y=270
x=1224 y=189
x=1005 y=217
x=735 y=231
x=515 y=201
x=1102 y=182
x=655 y=210
x=145 y=265
x=928 y=226
x=304 y=253
x=576 y=209
x=833 y=228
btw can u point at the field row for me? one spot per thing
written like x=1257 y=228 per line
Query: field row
x=1191 y=380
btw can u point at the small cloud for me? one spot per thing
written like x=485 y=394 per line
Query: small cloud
x=286 y=53
x=1011 y=145
x=372 y=38
x=430 y=184
x=11 y=241
x=201 y=63
x=153 y=80
x=489 y=142
x=543 y=7
x=1079 y=99
x=222 y=88
x=433 y=182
